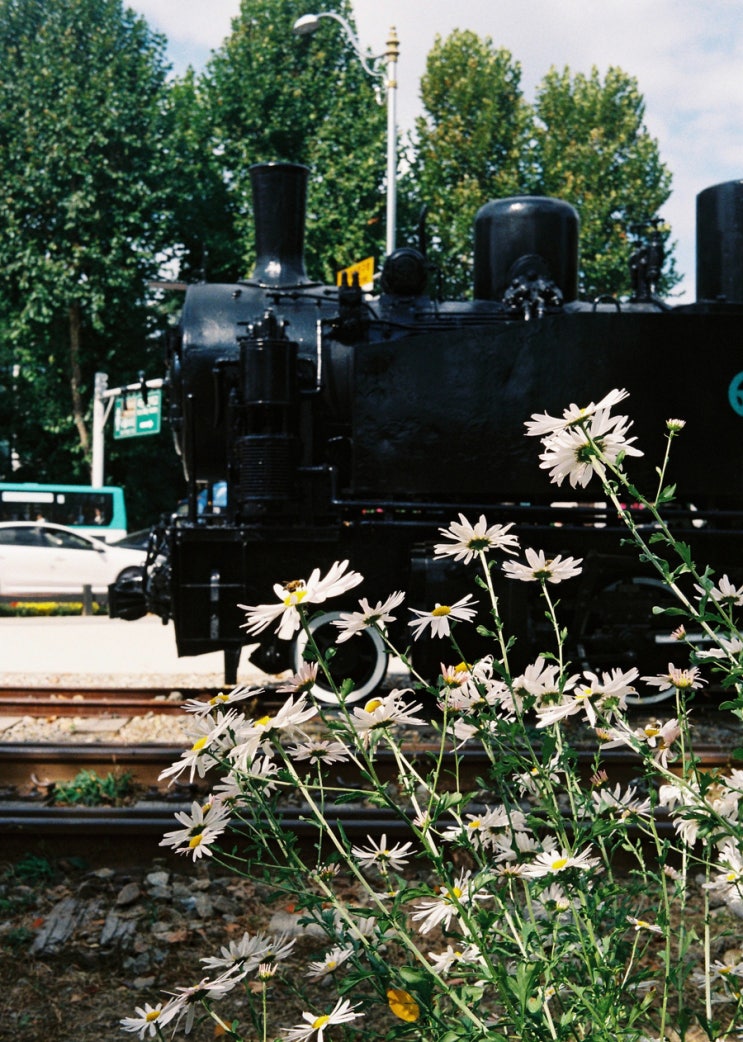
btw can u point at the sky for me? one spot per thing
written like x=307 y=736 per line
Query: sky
x=686 y=55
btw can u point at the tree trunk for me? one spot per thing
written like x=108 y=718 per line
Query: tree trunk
x=78 y=407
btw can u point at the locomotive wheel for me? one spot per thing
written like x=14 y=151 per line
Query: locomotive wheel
x=362 y=659
x=620 y=628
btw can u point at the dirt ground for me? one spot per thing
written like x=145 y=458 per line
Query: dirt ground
x=81 y=947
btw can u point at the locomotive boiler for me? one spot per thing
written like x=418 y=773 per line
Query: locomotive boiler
x=345 y=425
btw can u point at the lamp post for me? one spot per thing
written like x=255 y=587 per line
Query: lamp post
x=387 y=74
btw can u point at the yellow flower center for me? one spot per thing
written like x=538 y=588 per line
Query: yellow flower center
x=372 y=704
x=294 y=596
x=441 y=609
x=455 y=892
x=264 y=721
x=320 y=1022
x=652 y=732
x=199 y=744
x=152 y=1015
x=558 y=864
x=217 y=699
x=195 y=841
x=475 y=824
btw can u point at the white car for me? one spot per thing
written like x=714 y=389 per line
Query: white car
x=40 y=559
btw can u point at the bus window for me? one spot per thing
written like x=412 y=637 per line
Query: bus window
x=99 y=511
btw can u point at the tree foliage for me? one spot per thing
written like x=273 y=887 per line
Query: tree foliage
x=83 y=154
x=271 y=95
x=591 y=148
x=583 y=140
x=468 y=145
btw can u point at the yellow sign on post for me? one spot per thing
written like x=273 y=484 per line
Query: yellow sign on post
x=365 y=271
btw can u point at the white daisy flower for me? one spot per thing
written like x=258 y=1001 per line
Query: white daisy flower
x=573 y=453
x=352 y=623
x=319 y=750
x=209 y=733
x=643 y=924
x=542 y=424
x=238 y=694
x=251 y=951
x=303 y=680
x=724 y=593
x=439 y=619
x=553 y=861
x=314 y=590
x=380 y=856
x=382 y=712
x=257 y=734
x=625 y=804
x=444 y=961
x=315 y=1025
x=543 y=569
x=334 y=958
x=189 y=1000
x=681 y=679
x=468 y=540
x=439 y=911
x=201 y=827
x=150 y=1019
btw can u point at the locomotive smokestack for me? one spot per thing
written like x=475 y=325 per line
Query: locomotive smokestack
x=279 y=205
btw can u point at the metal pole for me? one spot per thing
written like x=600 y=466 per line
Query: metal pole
x=391 y=54
x=99 y=424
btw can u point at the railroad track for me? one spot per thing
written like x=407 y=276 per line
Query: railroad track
x=29 y=771
x=82 y=701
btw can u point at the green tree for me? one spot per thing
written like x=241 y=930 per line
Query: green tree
x=84 y=162
x=584 y=140
x=468 y=145
x=591 y=147
x=271 y=95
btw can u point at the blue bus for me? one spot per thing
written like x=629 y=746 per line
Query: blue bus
x=99 y=511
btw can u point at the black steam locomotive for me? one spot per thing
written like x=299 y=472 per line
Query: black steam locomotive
x=346 y=426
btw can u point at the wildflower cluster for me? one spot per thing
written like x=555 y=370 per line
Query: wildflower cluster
x=495 y=900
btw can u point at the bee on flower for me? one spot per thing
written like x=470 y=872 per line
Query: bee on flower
x=468 y=540
x=314 y=590
x=440 y=618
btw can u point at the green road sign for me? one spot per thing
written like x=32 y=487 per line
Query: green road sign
x=133 y=418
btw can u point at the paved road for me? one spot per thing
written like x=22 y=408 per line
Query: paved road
x=98 y=645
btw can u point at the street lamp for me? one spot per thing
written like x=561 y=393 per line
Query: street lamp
x=387 y=74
